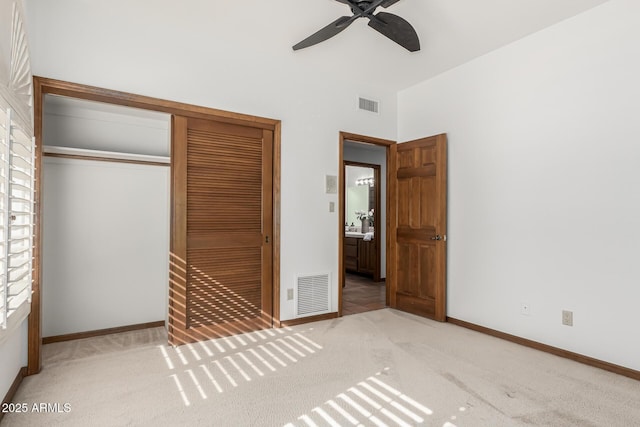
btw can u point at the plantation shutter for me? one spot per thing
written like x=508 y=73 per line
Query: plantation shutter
x=16 y=215
x=3 y=212
x=16 y=166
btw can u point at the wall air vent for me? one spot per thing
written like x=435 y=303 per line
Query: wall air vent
x=313 y=294
x=368 y=105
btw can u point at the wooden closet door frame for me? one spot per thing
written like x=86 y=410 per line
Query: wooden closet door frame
x=44 y=86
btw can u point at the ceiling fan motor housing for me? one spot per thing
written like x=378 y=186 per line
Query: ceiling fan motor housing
x=362 y=5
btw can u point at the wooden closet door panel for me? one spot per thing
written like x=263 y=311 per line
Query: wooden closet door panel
x=227 y=224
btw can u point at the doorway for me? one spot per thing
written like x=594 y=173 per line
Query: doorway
x=363 y=196
x=363 y=286
x=415 y=224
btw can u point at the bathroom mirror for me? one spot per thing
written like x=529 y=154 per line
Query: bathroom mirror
x=359 y=193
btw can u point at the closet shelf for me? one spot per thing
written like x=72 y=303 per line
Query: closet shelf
x=83 y=152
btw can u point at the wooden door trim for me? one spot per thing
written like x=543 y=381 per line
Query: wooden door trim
x=93 y=93
x=178 y=238
x=389 y=144
x=392 y=228
x=441 y=182
x=267 y=188
x=43 y=86
x=34 y=325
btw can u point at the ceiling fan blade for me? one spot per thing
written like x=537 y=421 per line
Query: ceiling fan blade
x=396 y=29
x=326 y=33
x=388 y=3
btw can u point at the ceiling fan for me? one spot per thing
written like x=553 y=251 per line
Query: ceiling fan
x=387 y=24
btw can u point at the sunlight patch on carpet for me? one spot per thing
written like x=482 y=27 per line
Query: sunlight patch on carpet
x=369 y=402
x=228 y=362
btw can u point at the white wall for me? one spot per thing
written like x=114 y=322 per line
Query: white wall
x=377 y=156
x=13 y=348
x=105 y=245
x=76 y=123
x=216 y=54
x=543 y=182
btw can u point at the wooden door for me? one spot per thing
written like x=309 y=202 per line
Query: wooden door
x=221 y=255
x=419 y=226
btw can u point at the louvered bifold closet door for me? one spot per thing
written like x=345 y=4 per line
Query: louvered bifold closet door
x=226 y=274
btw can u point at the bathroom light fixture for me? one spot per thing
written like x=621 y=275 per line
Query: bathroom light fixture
x=365 y=181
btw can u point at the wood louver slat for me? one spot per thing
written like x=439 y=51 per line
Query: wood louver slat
x=223 y=285
x=224 y=182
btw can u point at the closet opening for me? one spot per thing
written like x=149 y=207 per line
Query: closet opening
x=105 y=218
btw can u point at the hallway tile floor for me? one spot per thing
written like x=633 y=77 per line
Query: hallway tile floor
x=362 y=294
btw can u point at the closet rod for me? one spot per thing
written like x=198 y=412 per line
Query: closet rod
x=105 y=156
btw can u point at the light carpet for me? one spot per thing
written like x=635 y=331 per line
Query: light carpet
x=378 y=368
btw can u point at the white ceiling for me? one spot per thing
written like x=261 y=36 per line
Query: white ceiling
x=451 y=33
x=251 y=41
x=241 y=35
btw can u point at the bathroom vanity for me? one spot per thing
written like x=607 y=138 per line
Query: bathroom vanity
x=359 y=254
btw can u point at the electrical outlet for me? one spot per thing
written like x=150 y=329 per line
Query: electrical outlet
x=567 y=317
x=525 y=309
x=289 y=294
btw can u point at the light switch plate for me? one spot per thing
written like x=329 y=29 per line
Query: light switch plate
x=332 y=206
x=332 y=184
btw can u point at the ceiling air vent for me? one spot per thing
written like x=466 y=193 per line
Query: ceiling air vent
x=368 y=105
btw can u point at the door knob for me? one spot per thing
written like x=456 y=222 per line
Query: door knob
x=438 y=237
